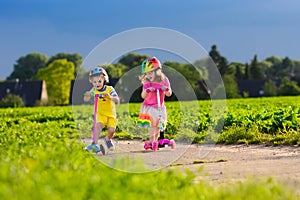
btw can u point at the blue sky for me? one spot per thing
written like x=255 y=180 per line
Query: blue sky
x=240 y=29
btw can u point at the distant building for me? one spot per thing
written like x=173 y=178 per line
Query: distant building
x=29 y=91
x=254 y=88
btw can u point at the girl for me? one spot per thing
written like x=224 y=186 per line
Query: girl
x=153 y=80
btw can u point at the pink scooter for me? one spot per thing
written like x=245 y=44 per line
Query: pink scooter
x=162 y=142
x=93 y=147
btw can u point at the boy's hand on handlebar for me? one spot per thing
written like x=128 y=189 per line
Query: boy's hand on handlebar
x=88 y=94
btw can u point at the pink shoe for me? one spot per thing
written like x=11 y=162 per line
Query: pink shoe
x=147 y=145
x=154 y=146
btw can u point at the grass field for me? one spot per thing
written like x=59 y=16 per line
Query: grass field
x=41 y=156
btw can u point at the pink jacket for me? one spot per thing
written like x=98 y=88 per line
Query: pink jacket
x=151 y=99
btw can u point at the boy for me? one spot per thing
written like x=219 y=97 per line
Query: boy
x=106 y=113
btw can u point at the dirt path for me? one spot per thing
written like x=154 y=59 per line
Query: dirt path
x=237 y=162
x=219 y=163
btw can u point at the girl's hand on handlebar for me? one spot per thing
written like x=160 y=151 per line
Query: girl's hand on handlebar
x=164 y=88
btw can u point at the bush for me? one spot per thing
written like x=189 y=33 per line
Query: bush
x=240 y=135
x=11 y=100
x=288 y=88
x=44 y=103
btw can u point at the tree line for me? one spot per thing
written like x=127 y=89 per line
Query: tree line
x=281 y=75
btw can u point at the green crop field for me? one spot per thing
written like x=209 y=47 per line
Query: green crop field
x=42 y=157
x=271 y=121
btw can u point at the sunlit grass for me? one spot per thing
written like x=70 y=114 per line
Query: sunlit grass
x=42 y=158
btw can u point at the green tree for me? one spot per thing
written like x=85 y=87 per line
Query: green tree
x=266 y=67
x=255 y=69
x=231 y=86
x=220 y=61
x=75 y=58
x=230 y=69
x=274 y=60
x=187 y=70
x=247 y=76
x=270 y=88
x=296 y=71
x=239 y=71
x=133 y=59
x=275 y=71
x=203 y=66
x=283 y=68
x=287 y=66
x=116 y=70
x=58 y=76
x=288 y=88
x=27 y=66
